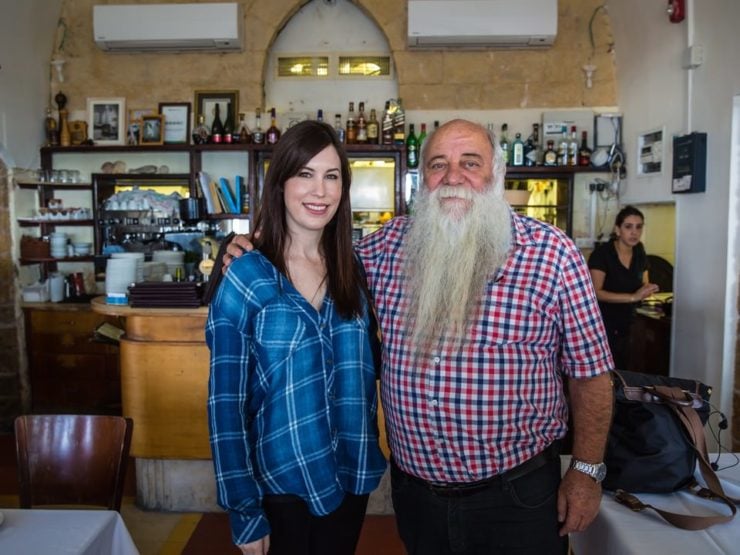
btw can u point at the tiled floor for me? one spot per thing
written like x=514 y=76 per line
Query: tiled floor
x=158 y=533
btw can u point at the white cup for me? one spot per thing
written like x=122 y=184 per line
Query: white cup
x=56 y=287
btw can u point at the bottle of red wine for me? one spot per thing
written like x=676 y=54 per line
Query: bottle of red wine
x=217 y=128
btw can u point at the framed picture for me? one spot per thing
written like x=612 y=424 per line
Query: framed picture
x=206 y=101
x=152 y=130
x=78 y=132
x=176 y=122
x=134 y=123
x=106 y=120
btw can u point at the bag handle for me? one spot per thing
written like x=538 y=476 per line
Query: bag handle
x=680 y=402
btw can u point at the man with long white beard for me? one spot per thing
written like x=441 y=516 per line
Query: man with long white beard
x=488 y=317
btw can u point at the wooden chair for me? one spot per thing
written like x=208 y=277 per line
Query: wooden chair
x=67 y=459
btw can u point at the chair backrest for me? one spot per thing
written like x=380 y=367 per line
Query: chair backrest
x=68 y=459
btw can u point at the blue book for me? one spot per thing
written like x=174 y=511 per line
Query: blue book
x=238 y=185
x=228 y=195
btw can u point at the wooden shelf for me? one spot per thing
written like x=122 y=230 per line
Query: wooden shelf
x=53 y=185
x=37 y=223
x=51 y=259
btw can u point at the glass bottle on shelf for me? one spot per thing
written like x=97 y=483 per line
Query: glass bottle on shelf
x=399 y=124
x=319 y=115
x=339 y=128
x=273 y=133
x=351 y=125
x=258 y=135
x=361 y=125
x=50 y=126
x=563 y=148
x=517 y=151
x=504 y=142
x=65 y=137
x=584 y=153
x=217 y=127
x=373 y=128
x=245 y=137
x=573 y=147
x=201 y=132
x=422 y=136
x=229 y=126
x=412 y=149
x=387 y=125
x=550 y=157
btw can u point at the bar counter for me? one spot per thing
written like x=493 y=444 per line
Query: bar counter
x=164 y=388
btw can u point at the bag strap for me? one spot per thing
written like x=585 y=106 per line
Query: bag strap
x=681 y=404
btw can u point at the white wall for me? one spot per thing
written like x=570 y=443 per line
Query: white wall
x=653 y=91
x=27 y=34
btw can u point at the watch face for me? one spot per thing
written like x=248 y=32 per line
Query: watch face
x=600 y=472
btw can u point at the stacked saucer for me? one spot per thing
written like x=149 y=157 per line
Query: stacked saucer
x=137 y=258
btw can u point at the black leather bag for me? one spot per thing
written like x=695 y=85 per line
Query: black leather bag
x=649 y=450
x=655 y=442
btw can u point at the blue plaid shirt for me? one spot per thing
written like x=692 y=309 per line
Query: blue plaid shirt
x=292 y=398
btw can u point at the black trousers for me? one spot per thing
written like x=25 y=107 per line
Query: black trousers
x=509 y=516
x=295 y=531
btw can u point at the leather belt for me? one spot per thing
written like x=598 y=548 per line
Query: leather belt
x=463 y=489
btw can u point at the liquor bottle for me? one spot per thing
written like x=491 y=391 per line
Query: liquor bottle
x=517 y=151
x=258 y=135
x=373 y=128
x=399 y=125
x=201 y=133
x=422 y=136
x=245 y=137
x=50 y=125
x=504 y=142
x=537 y=146
x=387 y=125
x=361 y=125
x=412 y=149
x=217 y=127
x=339 y=128
x=563 y=148
x=319 y=115
x=273 y=133
x=550 y=157
x=584 y=153
x=351 y=125
x=573 y=147
x=530 y=153
x=65 y=136
x=229 y=126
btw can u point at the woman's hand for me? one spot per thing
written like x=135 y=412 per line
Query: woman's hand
x=259 y=547
x=645 y=291
x=238 y=246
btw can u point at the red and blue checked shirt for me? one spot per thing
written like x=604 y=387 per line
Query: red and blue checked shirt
x=470 y=412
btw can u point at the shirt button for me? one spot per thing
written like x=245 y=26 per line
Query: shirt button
x=435 y=402
x=436 y=360
x=332 y=396
x=330 y=361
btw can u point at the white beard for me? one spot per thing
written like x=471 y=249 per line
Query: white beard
x=451 y=252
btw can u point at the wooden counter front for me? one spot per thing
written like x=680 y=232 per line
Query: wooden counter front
x=164 y=379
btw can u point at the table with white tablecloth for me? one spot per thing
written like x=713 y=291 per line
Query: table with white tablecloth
x=79 y=532
x=618 y=530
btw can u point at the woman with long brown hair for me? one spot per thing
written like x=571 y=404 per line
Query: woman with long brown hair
x=292 y=396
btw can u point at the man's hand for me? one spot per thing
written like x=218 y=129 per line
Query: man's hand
x=238 y=246
x=259 y=547
x=579 y=498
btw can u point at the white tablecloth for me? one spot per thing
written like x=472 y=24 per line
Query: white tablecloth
x=67 y=532
x=619 y=531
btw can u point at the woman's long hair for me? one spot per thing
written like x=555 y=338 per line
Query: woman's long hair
x=298 y=145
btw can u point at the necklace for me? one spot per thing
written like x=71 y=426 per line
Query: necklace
x=321 y=284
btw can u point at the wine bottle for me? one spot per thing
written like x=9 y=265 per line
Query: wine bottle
x=412 y=149
x=584 y=153
x=229 y=126
x=258 y=135
x=273 y=133
x=351 y=125
x=373 y=128
x=422 y=136
x=217 y=127
x=201 y=133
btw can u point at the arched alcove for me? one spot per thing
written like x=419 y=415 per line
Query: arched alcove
x=313 y=31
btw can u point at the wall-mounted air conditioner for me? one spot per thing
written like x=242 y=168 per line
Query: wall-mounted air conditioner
x=482 y=23
x=168 y=27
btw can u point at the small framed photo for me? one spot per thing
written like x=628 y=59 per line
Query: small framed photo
x=134 y=123
x=106 y=120
x=206 y=102
x=152 y=130
x=176 y=122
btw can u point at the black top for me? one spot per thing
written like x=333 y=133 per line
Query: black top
x=618 y=280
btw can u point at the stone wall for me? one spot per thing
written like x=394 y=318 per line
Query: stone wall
x=10 y=390
x=428 y=80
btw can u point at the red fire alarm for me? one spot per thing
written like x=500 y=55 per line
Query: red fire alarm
x=676 y=11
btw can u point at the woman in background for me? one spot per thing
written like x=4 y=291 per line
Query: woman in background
x=620 y=274
x=292 y=395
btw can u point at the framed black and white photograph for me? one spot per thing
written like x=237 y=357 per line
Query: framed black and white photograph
x=106 y=120
x=152 y=130
x=206 y=101
x=176 y=122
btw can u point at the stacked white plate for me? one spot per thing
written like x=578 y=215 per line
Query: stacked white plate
x=154 y=271
x=58 y=244
x=137 y=258
x=119 y=274
x=173 y=259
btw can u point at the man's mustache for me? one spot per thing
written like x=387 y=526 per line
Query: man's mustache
x=448 y=191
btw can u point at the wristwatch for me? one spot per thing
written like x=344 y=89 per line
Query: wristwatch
x=596 y=471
